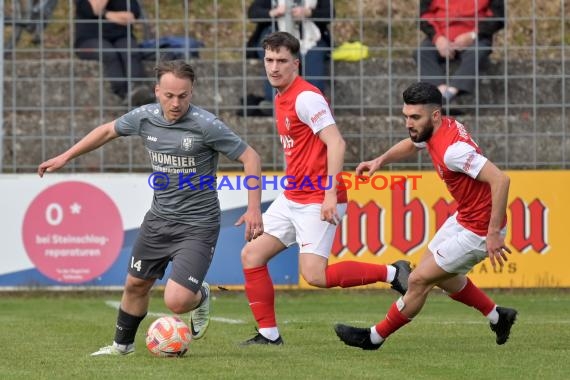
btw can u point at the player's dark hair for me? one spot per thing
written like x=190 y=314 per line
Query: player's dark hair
x=178 y=67
x=277 y=40
x=423 y=93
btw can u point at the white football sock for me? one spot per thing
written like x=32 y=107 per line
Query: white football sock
x=391 y=273
x=493 y=316
x=375 y=338
x=270 y=333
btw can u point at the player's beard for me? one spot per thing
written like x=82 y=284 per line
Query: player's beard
x=424 y=135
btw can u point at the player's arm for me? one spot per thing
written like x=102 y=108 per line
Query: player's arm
x=400 y=151
x=313 y=110
x=499 y=183
x=93 y=140
x=336 y=147
x=252 y=217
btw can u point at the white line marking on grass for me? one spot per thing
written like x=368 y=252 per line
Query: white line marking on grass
x=116 y=304
x=228 y=320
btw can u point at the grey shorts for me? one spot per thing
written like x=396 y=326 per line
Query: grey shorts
x=160 y=241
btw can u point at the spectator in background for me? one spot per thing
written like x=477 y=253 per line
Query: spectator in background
x=311 y=20
x=103 y=31
x=457 y=30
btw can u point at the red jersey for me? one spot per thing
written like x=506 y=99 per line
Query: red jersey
x=458 y=161
x=450 y=18
x=301 y=113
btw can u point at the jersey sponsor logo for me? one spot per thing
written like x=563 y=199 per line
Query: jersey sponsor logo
x=318 y=115
x=158 y=158
x=468 y=163
x=187 y=143
x=152 y=138
x=287 y=141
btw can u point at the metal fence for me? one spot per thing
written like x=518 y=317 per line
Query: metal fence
x=51 y=98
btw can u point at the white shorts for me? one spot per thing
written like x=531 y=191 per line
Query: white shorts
x=293 y=222
x=456 y=249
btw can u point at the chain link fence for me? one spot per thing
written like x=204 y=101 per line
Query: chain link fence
x=51 y=98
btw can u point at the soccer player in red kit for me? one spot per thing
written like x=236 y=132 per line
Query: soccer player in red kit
x=308 y=211
x=475 y=231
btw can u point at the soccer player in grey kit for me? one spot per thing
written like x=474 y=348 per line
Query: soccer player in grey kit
x=182 y=226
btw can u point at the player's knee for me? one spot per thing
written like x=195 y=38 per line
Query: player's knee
x=314 y=279
x=418 y=284
x=248 y=259
x=244 y=255
x=137 y=287
x=179 y=305
x=181 y=300
x=176 y=307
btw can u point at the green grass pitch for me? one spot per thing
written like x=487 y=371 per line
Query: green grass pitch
x=50 y=336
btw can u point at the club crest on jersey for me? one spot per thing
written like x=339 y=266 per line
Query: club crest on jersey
x=287 y=123
x=187 y=143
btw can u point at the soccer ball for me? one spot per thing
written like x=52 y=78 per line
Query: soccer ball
x=168 y=337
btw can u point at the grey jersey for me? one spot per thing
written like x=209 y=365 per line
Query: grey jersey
x=186 y=151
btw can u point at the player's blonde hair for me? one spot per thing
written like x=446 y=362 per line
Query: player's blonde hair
x=178 y=67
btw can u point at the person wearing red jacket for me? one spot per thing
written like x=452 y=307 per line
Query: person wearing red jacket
x=457 y=30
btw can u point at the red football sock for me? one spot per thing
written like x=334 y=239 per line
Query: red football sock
x=261 y=296
x=393 y=321
x=472 y=296
x=353 y=273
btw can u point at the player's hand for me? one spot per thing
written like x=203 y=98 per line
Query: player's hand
x=51 y=165
x=367 y=166
x=444 y=47
x=329 y=212
x=121 y=17
x=278 y=11
x=463 y=41
x=496 y=249
x=253 y=224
